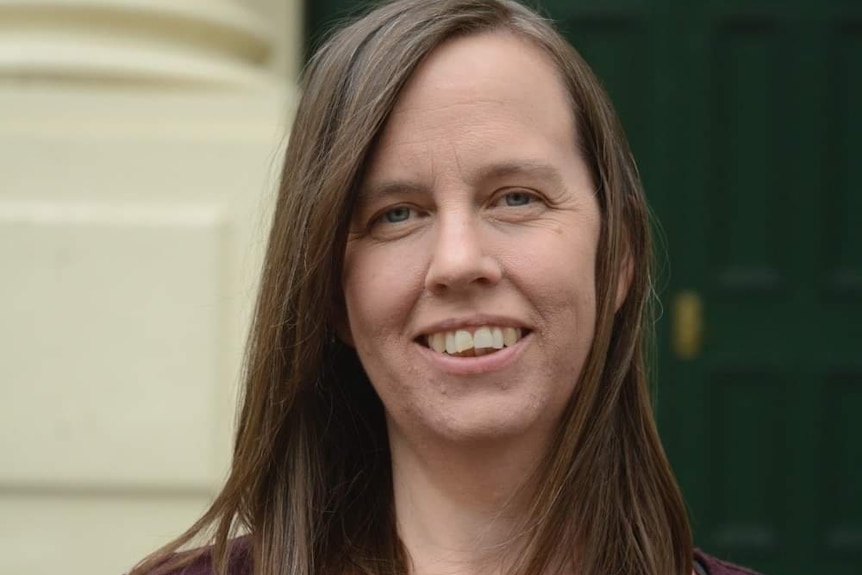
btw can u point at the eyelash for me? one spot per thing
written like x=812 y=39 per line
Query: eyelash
x=394 y=210
x=531 y=196
x=382 y=217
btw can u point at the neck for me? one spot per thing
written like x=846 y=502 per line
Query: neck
x=459 y=506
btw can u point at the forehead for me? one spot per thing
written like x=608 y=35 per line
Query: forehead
x=490 y=97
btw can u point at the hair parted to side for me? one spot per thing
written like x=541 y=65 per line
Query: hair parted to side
x=310 y=480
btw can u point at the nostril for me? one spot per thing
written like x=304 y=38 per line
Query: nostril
x=461 y=263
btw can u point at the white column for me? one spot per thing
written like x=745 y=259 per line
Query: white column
x=163 y=42
x=139 y=150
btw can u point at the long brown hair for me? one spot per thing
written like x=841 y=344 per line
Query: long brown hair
x=310 y=482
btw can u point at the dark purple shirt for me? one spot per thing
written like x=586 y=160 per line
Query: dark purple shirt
x=714 y=566
x=240 y=564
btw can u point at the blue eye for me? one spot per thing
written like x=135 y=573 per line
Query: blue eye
x=397 y=215
x=518 y=199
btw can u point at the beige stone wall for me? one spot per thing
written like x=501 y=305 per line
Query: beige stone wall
x=139 y=147
x=285 y=18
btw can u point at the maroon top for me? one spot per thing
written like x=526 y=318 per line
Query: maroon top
x=240 y=564
x=713 y=566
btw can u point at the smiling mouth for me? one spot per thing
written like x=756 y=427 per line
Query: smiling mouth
x=473 y=342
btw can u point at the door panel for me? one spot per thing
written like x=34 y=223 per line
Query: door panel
x=842 y=251
x=757 y=229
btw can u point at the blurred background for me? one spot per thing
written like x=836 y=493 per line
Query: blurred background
x=140 y=143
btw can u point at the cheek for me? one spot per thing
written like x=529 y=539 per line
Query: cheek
x=563 y=269
x=380 y=287
x=559 y=281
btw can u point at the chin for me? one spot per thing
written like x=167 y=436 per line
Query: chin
x=488 y=423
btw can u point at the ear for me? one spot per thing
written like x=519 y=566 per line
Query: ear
x=624 y=280
x=339 y=321
x=344 y=334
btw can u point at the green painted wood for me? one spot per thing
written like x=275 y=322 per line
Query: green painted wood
x=322 y=16
x=765 y=243
x=746 y=119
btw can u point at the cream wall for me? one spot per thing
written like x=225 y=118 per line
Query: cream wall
x=139 y=147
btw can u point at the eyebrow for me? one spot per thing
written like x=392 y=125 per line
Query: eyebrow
x=530 y=168
x=389 y=189
x=497 y=171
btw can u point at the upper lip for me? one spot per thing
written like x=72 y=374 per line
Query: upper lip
x=468 y=322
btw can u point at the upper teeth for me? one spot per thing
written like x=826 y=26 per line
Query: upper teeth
x=461 y=340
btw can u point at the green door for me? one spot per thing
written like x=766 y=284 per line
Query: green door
x=746 y=119
x=764 y=425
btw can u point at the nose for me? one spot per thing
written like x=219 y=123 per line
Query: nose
x=460 y=257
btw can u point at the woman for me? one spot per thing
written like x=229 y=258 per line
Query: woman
x=446 y=369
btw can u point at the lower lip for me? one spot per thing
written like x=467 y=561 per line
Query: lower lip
x=475 y=365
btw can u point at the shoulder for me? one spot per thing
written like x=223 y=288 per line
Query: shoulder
x=200 y=561
x=718 y=567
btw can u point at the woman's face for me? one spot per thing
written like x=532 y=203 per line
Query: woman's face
x=469 y=275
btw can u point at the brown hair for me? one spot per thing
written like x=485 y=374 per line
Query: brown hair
x=310 y=480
